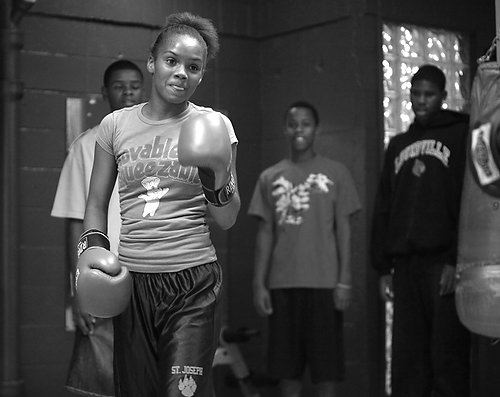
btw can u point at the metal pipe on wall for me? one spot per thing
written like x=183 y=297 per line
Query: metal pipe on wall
x=11 y=13
x=497 y=25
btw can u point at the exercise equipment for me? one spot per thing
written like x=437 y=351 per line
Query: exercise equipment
x=228 y=353
x=477 y=294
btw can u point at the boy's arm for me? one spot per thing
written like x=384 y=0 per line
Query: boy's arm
x=75 y=229
x=343 y=232
x=263 y=250
x=380 y=260
x=342 y=294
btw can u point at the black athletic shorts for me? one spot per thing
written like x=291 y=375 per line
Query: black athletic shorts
x=305 y=329
x=166 y=339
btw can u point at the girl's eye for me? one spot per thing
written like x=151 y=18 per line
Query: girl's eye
x=194 y=68
x=170 y=61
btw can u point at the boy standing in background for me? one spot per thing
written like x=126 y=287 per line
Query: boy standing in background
x=302 y=277
x=91 y=373
x=414 y=244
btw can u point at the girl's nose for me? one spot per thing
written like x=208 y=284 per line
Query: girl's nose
x=181 y=72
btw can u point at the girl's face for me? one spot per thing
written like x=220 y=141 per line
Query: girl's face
x=177 y=68
x=300 y=129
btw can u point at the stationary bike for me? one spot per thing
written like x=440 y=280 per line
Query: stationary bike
x=228 y=353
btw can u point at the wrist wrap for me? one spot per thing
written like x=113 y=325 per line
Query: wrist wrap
x=222 y=196
x=92 y=238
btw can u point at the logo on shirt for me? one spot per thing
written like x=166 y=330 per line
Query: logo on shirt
x=293 y=201
x=152 y=196
x=155 y=159
x=428 y=147
x=418 y=168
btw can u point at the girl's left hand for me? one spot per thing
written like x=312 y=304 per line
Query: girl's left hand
x=342 y=297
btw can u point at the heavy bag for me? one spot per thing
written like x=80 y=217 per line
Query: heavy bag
x=477 y=294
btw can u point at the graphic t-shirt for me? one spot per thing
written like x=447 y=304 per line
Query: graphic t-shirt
x=162 y=203
x=302 y=200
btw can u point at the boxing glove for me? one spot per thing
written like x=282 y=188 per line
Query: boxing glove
x=103 y=287
x=204 y=143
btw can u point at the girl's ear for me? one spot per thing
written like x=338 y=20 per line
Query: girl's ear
x=203 y=73
x=201 y=78
x=151 y=64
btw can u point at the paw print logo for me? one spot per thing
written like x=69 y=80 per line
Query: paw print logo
x=187 y=386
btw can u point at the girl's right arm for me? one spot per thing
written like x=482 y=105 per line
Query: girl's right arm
x=102 y=182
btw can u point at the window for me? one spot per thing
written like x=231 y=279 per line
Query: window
x=405 y=48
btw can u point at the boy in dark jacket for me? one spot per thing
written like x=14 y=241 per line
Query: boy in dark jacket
x=414 y=244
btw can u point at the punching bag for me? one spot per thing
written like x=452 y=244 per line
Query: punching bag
x=477 y=294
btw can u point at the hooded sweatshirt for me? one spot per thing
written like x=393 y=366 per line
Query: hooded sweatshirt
x=418 y=199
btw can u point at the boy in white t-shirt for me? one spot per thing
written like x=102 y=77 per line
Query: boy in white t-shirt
x=122 y=86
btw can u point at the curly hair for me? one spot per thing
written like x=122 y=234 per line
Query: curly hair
x=186 y=23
